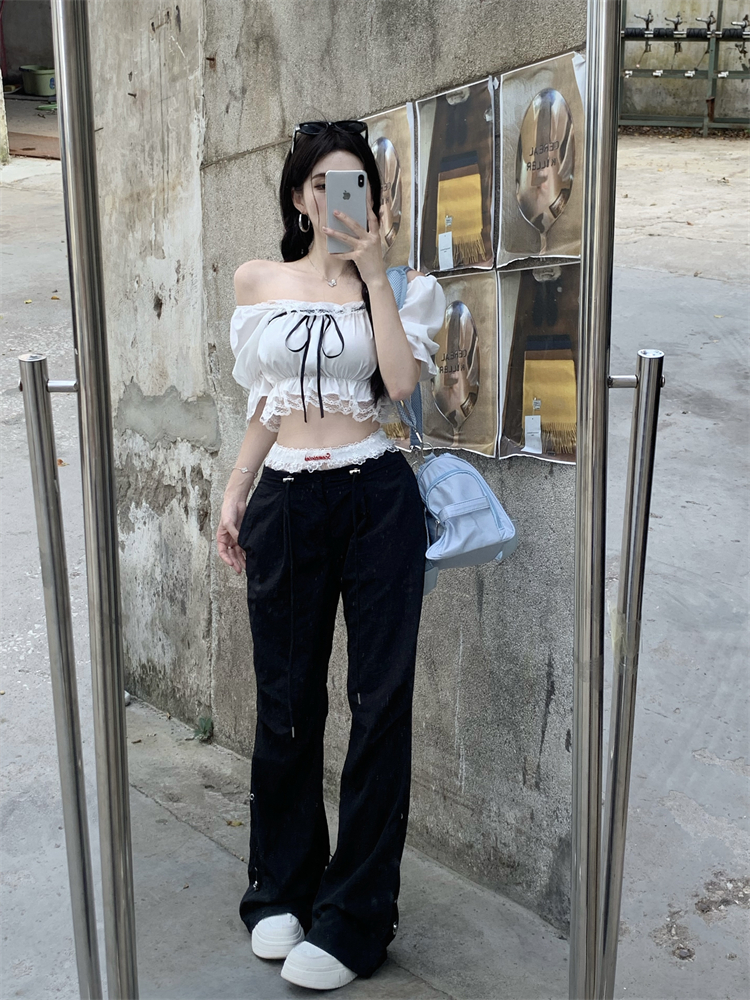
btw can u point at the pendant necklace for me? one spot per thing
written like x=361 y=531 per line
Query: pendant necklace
x=332 y=281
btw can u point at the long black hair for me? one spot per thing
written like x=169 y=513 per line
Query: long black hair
x=308 y=150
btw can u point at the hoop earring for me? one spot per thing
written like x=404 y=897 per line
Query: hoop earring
x=304 y=229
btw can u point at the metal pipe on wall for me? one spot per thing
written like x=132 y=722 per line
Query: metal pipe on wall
x=78 y=156
x=597 y=242
x=54 y=563
x=626 y=634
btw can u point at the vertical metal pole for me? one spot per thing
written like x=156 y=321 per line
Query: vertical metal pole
x=621 y=75
x=626 y=635
x=713 y=67
x=597 y=239
x=78 y=155
x=54 y=564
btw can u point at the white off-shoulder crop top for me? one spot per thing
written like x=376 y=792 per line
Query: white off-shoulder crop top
x=296 y=353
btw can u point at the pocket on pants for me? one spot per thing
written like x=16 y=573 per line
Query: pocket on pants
x=261 y=495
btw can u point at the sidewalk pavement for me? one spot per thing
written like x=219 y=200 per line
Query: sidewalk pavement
x=687 y=885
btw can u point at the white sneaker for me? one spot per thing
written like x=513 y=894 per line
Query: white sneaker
x=274 y=937
x=308 y=965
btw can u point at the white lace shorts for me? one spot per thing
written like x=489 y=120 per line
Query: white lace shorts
x=296 y=459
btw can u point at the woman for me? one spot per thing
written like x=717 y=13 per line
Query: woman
x=323 y=349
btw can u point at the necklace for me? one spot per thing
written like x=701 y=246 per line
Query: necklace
x=332 y=281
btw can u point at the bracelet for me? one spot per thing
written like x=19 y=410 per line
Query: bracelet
x=244 y=470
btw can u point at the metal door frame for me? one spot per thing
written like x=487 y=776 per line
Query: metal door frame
x=78 y=157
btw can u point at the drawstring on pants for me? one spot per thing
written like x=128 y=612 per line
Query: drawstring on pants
x=290 y=548
x=354 y=473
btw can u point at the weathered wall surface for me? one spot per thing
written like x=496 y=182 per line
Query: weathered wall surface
x=149 y=123
x=654 y=96
x=493 y=695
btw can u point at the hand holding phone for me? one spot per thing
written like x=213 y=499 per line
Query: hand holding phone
x=346 y=191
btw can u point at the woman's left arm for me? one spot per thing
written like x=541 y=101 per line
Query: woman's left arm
x=398 y=366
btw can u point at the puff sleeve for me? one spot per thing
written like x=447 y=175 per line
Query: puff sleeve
x=422 y=316
x=244 y=334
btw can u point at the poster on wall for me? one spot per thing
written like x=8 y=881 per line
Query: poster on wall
x=457 y=178
x=541 y=159
x=460 y=403
x=391 y=136
x=538 y=312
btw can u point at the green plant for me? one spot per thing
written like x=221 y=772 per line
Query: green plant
x=205 y=730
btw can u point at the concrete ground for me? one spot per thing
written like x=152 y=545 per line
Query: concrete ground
x=31 y=131
x=23 y=115
x=679 y=287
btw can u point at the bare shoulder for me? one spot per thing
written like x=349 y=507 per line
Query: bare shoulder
x=253 y=279
x=411 y=274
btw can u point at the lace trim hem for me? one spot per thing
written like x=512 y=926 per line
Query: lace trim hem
x=286 y=459
x=278 y=406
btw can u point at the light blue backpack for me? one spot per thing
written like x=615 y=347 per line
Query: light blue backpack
x=466 y=524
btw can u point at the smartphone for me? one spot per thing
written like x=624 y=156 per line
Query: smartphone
x=346 y=190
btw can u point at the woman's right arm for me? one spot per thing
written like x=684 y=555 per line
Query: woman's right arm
x=255 y=446
x=248 y=288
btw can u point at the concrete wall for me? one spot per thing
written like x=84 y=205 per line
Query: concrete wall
x=27 y=36
x=493 y=694
x=653 y=96
x=189 y=170
x=149 y=141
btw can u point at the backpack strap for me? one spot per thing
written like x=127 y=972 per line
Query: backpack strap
x=399 y=282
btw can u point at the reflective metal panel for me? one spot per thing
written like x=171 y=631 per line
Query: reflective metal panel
x=626 y=640
x=78 y=156
x=54 y=563
x=603 y=55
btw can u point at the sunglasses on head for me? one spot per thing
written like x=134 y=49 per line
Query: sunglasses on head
x=315 y=128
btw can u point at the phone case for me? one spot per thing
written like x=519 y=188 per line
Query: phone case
x=344 y=193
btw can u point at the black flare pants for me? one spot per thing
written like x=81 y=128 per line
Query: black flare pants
x=357 y=532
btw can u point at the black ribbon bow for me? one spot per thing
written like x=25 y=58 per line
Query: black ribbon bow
x=308 y=321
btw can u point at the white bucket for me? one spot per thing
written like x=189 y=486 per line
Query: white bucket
x=38 y=80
